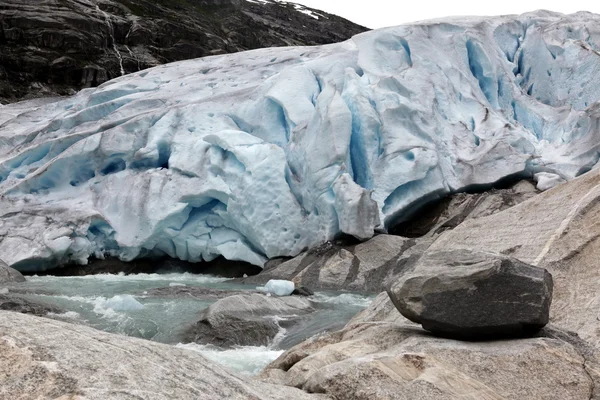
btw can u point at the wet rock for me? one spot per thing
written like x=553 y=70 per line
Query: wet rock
x=10 y=302
x=246 y=320
x=470 y=295
x=42 y=358
x=195 y=292
x=302 y=291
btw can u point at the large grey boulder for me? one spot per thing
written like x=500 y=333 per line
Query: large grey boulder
x=42 y=358
x=9 y=275
x=557 y=230
x=474 y=295
x=246 y=319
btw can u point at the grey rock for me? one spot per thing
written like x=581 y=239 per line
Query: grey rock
x=15 y=303
x=9 y=275
x=246 y=319
x=385 y=360
x=47 y=359
x=366 y=267
x=471 y=295
x=557 y=230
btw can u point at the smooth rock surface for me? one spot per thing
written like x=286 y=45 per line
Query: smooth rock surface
x=469 y=295
x=383 y=360
x=42 y=358
x=246 y=320
x=9 y=275
x=268 y=153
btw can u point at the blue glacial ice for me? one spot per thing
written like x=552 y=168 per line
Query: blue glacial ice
x=269 y=152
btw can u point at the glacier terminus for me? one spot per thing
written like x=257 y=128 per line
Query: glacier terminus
x=269 y=152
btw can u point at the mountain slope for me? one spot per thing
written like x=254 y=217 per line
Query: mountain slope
x=57 y=46
x=269 y=152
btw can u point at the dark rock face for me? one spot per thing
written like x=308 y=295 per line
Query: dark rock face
x=246 y=320
x=9 y=275
x=302 y=291
x=55 y=47
x=220 y=266
x=451 y=211
x=470 y=295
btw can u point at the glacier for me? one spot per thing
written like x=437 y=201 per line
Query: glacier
x=269 y=152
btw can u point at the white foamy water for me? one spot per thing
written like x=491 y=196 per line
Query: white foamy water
x=127 y=305
x=67 y=315
x=245 y=360
x=349 y=299
x=121 y=277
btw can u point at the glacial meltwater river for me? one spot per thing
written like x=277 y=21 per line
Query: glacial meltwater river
x=125 y=304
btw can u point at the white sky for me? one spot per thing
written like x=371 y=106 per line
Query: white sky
x=380 y=13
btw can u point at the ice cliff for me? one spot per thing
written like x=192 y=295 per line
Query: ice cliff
x=268 y=152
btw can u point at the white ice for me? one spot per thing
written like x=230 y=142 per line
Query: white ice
x=278 y=287
x=269 y=152
x=123 y=302
x=245 y=360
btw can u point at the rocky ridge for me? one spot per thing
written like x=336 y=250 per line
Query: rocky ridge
x=43 y=358
x=383 y=351
x=52 y=48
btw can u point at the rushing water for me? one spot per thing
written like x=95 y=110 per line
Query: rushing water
x=124 y=304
